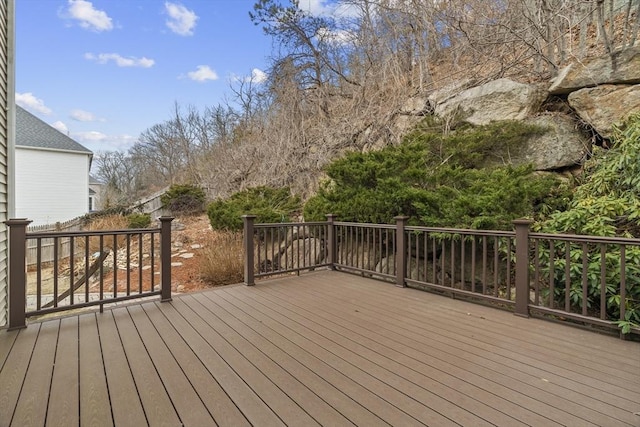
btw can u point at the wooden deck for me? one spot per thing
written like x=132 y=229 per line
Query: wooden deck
x=324 y=348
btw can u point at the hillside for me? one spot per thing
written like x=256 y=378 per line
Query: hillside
x=359 y=76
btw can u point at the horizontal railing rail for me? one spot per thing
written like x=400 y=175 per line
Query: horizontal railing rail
x=96 y=268
x=591 y=280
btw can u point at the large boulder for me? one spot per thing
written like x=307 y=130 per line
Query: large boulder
x=561 y=146
x=603 y=106
x=501 y=99
x=622 y=68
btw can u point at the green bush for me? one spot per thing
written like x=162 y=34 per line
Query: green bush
x=435 y=181
x=268 y=204
x=184 y=198
x=607 y=203
x=139 y=220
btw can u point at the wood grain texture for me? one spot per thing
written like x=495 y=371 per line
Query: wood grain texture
x=324 y=348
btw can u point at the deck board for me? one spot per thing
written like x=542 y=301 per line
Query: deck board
x=95 y=408
x=313 y=405
x=156 y=403
x=491 y=380
x=538 y=377
x=123 y=394
x=217 y=402
x=325 y=348
x=64 y=402
x=188 y=405
x=436 y=378
x=252 y=407
x=281 y=404
x=32 y=407
x=14 y=371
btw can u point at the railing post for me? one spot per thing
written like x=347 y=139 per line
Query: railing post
x=331 y=241
x=165 y=257
x=17 y=272
x=401 y=251
x=248 y=249
x=522 y=266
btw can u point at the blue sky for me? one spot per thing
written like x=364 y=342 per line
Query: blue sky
x=103 y=71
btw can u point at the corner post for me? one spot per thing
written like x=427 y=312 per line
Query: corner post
x=248 y=249
x=522 y=266
x=165 y=257
x=331 y=241
x=401 y=251
x=17 y=272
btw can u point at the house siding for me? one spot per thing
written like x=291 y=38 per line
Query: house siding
x=6 y=135
x=58 y=192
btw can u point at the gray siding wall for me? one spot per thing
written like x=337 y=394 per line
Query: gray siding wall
x=6 y=134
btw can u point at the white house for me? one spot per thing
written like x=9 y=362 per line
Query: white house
x=51 y=172
x=7 y=132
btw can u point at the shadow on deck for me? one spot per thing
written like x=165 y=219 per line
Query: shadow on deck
x=323 y=348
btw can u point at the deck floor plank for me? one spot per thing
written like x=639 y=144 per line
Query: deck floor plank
x=190 y=408
x=123 y=394
x=250 y=404
x=95 y=408
x=14 y=371
x=156 y=403
x=32 y=407
x=559 y=401
x=495 y=381
x=324 y=348
x=218 y=403
x=282 y=404
x=317 y=408
x=508 y=343
x=8 y=338
x=599 y=375
x=431 y=376
x=299 y=365
x=353 y=389
x=403 y=408
x=559 y=412
x=64 y=402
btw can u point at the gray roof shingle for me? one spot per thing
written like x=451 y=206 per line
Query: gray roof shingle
x=33 y=132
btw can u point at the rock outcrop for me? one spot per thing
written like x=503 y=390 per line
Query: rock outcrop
x=501 y=99
x=561 y=146
x=603 y=106
x=622 y=68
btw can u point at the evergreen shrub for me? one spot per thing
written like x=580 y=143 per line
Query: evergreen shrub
x=268 y=204
x=437 y=180
x=139 y=220
x=184 y=199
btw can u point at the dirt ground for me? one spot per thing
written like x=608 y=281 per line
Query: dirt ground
x=190 y=235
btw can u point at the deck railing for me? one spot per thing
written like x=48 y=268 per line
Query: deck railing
x=98 y=268
x=591 y=280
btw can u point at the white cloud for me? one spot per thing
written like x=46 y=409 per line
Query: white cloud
x=89 y=17
x=329 y=8
x=202 y=74
x=91 y=136
x=181 y=20
x=335 y=37
x=258 y=76
x=98 y=141
x=61 y=127
x=30 y=102
x=121 y=61
x=82 y=116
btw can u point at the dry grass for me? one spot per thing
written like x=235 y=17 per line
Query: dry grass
x=222 y=260
x=111 y=222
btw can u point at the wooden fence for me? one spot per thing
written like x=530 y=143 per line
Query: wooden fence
x=151 y=205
